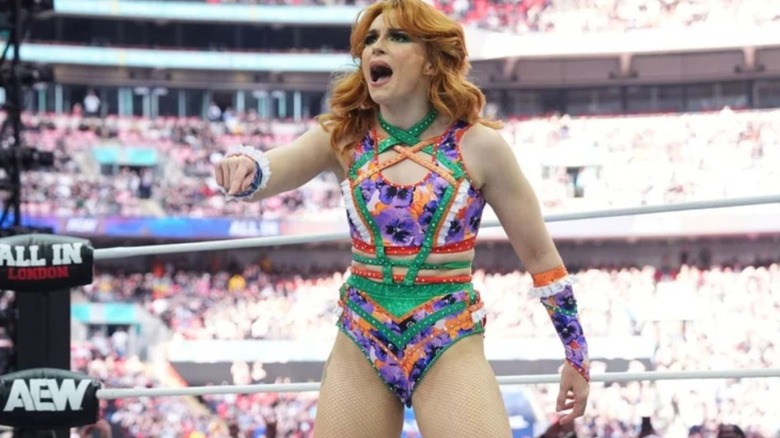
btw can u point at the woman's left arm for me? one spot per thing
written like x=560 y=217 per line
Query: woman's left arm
x=494 y=168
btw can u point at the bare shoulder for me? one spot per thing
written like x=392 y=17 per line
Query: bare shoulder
x=482 y=147
x=482 y=134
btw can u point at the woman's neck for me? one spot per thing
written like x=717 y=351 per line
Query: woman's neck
x=404 y=116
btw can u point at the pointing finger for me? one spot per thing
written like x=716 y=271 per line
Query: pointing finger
x=218 y=175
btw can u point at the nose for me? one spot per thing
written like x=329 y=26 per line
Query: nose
x=378 y=47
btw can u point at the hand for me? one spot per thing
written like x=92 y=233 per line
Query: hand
x=573 y=394
x=102 y=427
x=234 y=174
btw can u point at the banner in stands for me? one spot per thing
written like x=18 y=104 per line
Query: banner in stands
x=47 y=398
x=165 y=227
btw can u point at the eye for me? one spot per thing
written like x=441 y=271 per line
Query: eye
x=400 y=37
x=371 y=39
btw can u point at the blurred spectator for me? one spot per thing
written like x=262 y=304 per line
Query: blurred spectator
x=730 y=431
x=646 y=429
x=91 y=104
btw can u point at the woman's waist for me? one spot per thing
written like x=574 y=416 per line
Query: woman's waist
x=423 y=273
x=397 y=288
x=365 y=297
x=417 y=265
x=462 y=246
x=420 y=268
x=448 y=258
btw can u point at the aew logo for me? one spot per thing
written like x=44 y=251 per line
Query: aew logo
x=40 y=262
x=48 y=398
x=46 y=395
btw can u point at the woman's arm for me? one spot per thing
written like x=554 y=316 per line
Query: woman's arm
x=280 y=169
x=495 y=170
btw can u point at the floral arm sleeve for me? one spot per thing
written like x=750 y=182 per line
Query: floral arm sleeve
x=554 y=288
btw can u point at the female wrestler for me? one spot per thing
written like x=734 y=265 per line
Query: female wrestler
x=418 y=165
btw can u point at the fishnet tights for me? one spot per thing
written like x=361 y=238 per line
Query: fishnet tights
x=353 y=401
x=459 y=397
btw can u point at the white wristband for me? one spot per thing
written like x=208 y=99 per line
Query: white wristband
x=262 y=163
x=553 y=288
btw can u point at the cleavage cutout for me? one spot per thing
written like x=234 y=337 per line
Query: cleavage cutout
x=419 y=154
x=410 y=166
x=407 y=172
x=416 y=163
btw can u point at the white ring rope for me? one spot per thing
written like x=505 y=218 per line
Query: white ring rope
x=111 y=394
x=217 y=245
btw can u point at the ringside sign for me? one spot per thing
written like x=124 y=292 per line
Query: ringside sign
x=48 y=398
x=43 y=262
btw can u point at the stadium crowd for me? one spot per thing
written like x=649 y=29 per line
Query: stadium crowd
x=589 y=16
x=616 y=161
x=598 y=162
x=567 y=16
x=610 y=162
x=680 y=310
x=103 y=357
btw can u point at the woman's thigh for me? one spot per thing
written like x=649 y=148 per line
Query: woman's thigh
x=459 y=395
x=353 y=401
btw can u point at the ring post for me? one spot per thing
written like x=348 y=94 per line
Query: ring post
x=43 y=394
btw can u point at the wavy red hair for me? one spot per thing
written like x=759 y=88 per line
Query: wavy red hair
x=451 y=93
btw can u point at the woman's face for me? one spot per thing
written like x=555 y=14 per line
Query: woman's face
x=393 y=63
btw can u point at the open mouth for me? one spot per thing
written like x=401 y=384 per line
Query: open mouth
x=380 y=72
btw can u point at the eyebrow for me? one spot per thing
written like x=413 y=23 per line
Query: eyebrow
x=390 y=30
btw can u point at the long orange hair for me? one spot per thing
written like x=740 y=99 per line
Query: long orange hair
x=451 y=93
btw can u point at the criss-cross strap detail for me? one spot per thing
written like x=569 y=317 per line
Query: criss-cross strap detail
x=443 y=172
x=390 y=162
x=399 y=136
x=408 y=153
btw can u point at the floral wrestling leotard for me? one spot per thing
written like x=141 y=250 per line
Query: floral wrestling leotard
x=404 y=323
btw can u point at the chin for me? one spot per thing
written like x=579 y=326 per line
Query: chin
x=379 y=98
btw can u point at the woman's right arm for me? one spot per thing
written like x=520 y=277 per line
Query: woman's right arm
x=290 y=166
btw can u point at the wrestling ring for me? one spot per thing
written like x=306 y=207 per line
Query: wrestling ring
x=125 y=252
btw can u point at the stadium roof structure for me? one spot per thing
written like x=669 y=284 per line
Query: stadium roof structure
x=482 y=44
x=499 y=59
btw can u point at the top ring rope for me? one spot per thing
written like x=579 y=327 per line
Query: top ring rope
x=219 y=245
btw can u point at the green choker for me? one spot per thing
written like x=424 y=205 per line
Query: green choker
x=403 y=137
